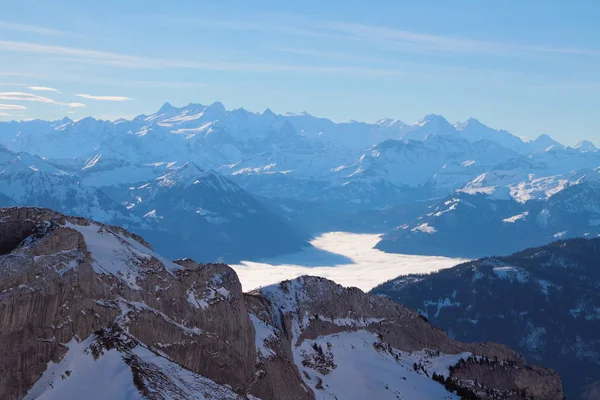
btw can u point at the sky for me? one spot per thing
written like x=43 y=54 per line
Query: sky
x=529 y=67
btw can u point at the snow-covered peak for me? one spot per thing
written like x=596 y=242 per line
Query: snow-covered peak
x=185 y=175
x=433 y=119
x=585 y=145
x=389 y=122
x=471 y=121
x=473 y=125
x=474 y=130
x=544 y=142
x=431 y=124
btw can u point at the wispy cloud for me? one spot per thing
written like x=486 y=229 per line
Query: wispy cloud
x=140 y=62
x=103 y=98
x=42 y=89
x=13 y=116
x=391 y=38
x=31 y=29
x=385 y=38
x=12 y=107
x=574 y=85
x=21 y=96
x=18 y=74
x=145 y=84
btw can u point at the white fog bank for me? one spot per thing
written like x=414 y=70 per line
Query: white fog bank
x=346 y=258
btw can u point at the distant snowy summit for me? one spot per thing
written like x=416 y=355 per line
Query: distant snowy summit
x=197 y=119
x=306 y=174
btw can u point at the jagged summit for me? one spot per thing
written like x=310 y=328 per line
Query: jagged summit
x=165 y=108
x=269 y=112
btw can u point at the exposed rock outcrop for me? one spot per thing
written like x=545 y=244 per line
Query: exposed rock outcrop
x=79 y=297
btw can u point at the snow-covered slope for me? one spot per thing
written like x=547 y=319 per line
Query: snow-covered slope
x=543 y=143
x=542 y=301
x=585 y=145
x=430 y=125
x=474 y=131
x=203 y=215
x=355 y=353
x=95 y=313
x=475 y=221
x=439 y=163
x=31 y=181
x=125 y=369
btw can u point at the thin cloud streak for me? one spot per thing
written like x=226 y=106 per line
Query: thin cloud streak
x=21 y=96
x=12 y=107
x=102 y=98
x=31 y=29
x=407 y=40
x=383 y=37
x=42 y=89
x=140 y=62
x=18 y=74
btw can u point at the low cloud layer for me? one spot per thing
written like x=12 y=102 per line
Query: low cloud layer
x=360 y=265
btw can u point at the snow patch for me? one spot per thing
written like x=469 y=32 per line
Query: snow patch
x=512 y=274
x=516 y=218
x=263 y=334
x=355 y=369
x=425 y=228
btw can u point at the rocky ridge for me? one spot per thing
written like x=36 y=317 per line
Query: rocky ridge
x=80 y=301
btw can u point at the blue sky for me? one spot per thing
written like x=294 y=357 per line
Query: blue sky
x=530 y=67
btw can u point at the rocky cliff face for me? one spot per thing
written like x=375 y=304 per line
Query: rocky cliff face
x=90 y=310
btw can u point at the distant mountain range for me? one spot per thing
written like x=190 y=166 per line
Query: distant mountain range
x=200 y=213
x=543 y=302
x=311 y=174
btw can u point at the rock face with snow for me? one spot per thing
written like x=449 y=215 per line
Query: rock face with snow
x=65 y=280
x=203 y=215
x=474 y=223
x=542 y=302
x=174 y=211
x=29 y=180
x=90 y=310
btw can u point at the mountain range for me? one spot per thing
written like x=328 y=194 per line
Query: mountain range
x=542 y=302
x=89 y=310
x=417 y=182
